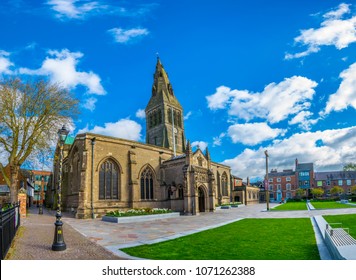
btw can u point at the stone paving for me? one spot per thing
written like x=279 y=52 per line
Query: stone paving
x=34 y=239
x=97 y=239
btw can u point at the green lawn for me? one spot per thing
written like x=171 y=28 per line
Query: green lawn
x=330 y=205
x=292 y=206
x=348 y=221
x=248 y=239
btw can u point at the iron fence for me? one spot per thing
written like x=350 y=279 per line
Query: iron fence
x=9 y=223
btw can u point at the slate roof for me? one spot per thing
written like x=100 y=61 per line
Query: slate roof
x=4 y=189
x=281 y=173
x=335 y=175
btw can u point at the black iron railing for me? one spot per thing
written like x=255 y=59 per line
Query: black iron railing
x=9 y=223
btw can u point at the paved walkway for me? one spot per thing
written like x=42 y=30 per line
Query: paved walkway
x=35 y=237
x=102 y=240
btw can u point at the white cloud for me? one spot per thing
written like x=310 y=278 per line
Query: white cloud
x=90 y=103
x=187 y=116
x=334 y=31
x=124 y=128
x=75 y=9
x=61 y=67
x=123 y=36
x=303 y=119
x=275 y=103
x=345 y=96
x=338 y=147
x=5 y=63
x=200 y=144
x=217 y=140
x=140 y=114
x=253 y=133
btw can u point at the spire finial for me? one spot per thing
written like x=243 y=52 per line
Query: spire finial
x=157 y=54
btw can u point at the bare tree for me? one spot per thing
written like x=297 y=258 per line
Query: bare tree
x=30 y=114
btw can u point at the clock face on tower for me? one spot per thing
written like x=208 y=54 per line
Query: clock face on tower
x=175 y=130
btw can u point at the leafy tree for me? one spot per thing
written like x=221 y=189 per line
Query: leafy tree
x=300 y=192
x=336 y=190
x=353 y=189
x=317 y=192
x=350 y=167
x=31 y=112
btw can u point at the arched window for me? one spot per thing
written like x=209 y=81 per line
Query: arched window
x=224 y=185
x=179 y=119
x=109 y=179
x=180 y=192
x=169 y=113
x=150 y=121
x=159 y=116
x=147 y=184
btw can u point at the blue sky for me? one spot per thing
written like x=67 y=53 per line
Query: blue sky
x=250 y=75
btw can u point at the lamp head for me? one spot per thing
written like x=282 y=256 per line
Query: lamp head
x=62 y=134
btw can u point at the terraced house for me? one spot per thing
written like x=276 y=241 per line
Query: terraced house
x=329 y=179
x=102 y=173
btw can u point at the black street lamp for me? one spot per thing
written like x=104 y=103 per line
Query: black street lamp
x=58 y=242
x=267 y=181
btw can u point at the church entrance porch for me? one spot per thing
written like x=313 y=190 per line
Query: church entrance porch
x=201 y=200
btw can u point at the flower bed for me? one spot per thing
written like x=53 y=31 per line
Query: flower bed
x=139 y=215
x=138 y=212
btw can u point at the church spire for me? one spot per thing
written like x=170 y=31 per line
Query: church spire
x=164 y=114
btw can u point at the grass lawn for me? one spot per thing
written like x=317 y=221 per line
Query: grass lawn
x=348 y=221
x=330 y=205
x=248 y=239
x=292 y=206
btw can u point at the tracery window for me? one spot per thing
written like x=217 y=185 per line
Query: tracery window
x=109 y=179
x=224 y=185
x=146 y=184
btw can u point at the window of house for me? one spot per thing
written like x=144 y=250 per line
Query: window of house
x=271 y=187
x=109 y=178
x=146 y=184
x=303 y=174
x=288 y=186
x=279 y=187
x=288 y=195
x=340 y=182
x=348 y=182
x=319 y=183
x=270 y=180
x=328 y=182
x=288 y=179
x=278 y=179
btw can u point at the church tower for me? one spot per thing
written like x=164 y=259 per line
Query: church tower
x=164 y=114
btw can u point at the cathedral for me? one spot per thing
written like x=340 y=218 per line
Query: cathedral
x=102 y=174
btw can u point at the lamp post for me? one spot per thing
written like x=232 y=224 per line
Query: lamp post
x=267 y=183
x=58 y=242
x=92 y=178
x=40 y=210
